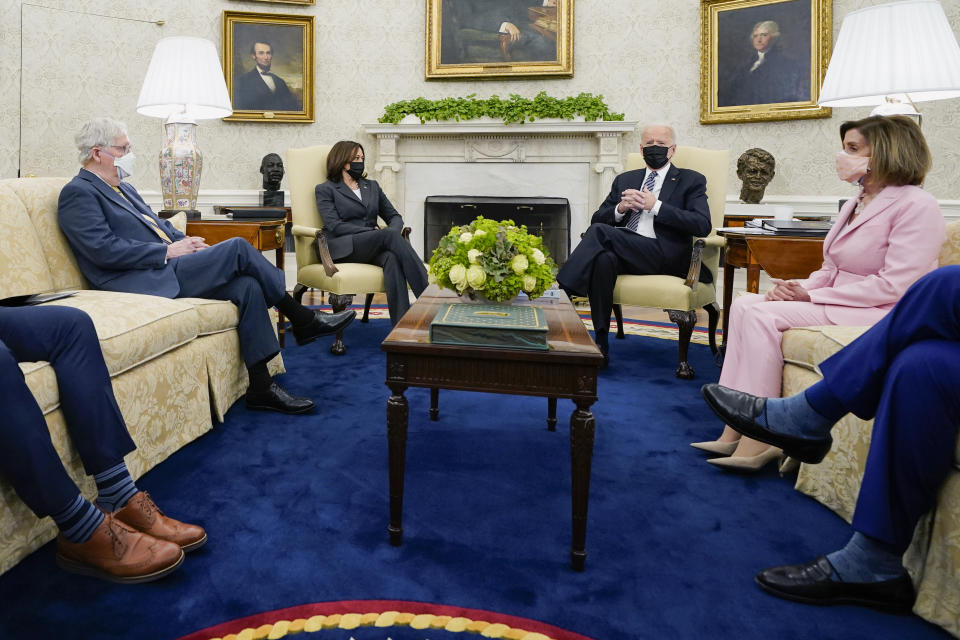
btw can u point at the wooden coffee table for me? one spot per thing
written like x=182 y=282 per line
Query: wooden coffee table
x=567 y=370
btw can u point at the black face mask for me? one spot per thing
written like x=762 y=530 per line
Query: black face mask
x=356 y=170
x=655 y=156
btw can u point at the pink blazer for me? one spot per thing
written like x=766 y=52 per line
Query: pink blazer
x=868 y=264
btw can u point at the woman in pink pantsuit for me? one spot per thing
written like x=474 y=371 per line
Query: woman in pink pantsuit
x=883 y=241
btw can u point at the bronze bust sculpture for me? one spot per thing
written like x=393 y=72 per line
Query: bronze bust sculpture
x=755 y=167
x=272 y=169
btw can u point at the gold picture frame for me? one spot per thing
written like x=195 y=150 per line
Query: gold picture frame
x=303 y=2
x=795 y=37
x=283 y=42
x=499 y=39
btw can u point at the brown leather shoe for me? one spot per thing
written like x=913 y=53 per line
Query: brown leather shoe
x=143 y=515
x=118 y=553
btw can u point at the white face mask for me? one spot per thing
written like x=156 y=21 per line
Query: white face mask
x=124 y=165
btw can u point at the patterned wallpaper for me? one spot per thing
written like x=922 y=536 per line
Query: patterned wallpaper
x=370 y=53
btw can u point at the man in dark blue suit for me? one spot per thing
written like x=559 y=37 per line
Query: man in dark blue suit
x=904 y=373
x=645 y=226
x=121 y=245
x=124 y=538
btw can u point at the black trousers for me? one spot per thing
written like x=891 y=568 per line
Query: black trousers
x=65 y=338
x=387 y=249
x=604 y=253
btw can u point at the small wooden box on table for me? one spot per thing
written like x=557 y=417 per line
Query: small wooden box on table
x=264 y=235
x=568 y=369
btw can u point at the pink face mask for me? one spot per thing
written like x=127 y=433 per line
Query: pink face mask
x=852 y=168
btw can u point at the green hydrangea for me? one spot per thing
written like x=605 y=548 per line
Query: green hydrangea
x=512 y=260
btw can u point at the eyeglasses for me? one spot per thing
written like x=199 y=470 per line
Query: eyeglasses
x=125 y=149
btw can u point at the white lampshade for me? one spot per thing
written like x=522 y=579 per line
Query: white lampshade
x=891 y=50
x=184 y=76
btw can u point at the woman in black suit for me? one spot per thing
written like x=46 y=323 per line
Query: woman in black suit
x=349 y=205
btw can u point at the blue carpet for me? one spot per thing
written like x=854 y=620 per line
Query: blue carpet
x=296 y=511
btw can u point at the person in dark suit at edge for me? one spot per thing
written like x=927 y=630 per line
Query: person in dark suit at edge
x=645 y=226
x=349 y=204
x=260 y=89
x=121 y=245
x=123 y=537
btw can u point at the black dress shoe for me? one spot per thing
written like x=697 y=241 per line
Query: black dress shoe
x=274 y=398
x=810 y=583
x=741 y=410
x=323 y=324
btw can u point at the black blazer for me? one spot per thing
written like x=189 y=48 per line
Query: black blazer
x=684 y=214
x=344 y=215
x=251 y=92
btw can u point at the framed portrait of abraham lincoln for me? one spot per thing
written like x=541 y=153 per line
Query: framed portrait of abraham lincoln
x=763 y=59
x=499 y=38
x=268 y=66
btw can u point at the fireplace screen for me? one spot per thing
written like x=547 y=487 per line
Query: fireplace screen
x=548 y=218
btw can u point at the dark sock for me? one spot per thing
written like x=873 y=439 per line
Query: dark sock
x=259 y=377
x=602 y=339
x=794 y=416
x=865 y=559
x=299 y=315
x=115 y=487
x=824 y=402
x=78 y=520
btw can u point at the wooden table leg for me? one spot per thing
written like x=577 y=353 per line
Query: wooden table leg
x=728 y=270
x=551 y=414
x=582 y=428
x=281 y=322
x=753 y=278
x=398 y=412
x=434 y=404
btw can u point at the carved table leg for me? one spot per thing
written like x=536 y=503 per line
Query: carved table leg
x=339 y=303
x=398 y=412
x=434 y=404
x=686 y=321
x=551 y=414
x=582 y=428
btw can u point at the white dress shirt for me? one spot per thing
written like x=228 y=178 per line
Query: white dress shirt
x=268 y=80
x=645 y=227
x=760 y=55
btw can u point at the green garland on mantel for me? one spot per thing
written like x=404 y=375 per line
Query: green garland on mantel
x=516 y=109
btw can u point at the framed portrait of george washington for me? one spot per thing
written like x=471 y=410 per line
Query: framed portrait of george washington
x=763 y=59
x=268 y=65
x=499 y=38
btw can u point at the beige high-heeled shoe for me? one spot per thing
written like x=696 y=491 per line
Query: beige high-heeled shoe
x=716 y=447
x=748 y=464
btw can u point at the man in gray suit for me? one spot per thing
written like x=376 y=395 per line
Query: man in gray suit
x=121 y=245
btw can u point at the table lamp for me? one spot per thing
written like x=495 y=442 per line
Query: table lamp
x=892 y=56
x=184 y=83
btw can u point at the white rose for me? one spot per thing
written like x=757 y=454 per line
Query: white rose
x=519 y=263
x=465 y=237
x=538 y=256
x=529 y=283
x=474 y=255
x=476 y=276
x=458 y=274
x=479 y=232
x=432 y=277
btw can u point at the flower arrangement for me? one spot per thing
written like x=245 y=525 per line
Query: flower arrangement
x=495 y=259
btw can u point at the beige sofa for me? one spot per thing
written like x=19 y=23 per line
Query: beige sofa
x=933 y=558
x=174 y=364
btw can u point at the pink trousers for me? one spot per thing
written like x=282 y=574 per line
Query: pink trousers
x=754 y=360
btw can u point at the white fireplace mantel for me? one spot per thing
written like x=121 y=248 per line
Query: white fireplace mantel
x=573 y=159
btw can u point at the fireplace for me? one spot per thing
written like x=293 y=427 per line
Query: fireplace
x=548 y=218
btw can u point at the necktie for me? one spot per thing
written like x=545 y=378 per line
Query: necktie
x=634 y=220
x=150 y=221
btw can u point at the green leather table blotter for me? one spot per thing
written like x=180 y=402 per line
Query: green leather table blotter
x=502 y=326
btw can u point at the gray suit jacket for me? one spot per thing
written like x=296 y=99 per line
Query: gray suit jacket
x=344 y=215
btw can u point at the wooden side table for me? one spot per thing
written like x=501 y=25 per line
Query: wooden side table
x=781 y=256
x=264 y=235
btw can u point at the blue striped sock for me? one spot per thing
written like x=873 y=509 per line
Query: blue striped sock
x=115 y=487
x=78 y=520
